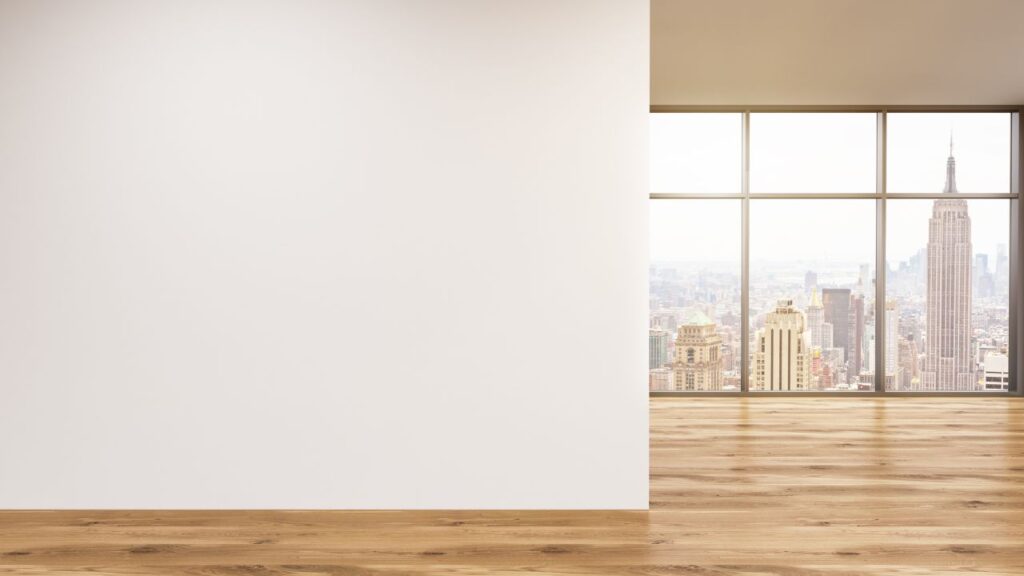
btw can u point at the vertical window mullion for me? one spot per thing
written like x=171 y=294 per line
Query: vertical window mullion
x=1016 y=251
x=880 y=266
x=745 y=259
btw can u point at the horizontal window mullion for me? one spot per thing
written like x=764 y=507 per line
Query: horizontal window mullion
x=833 y=196
x=813 y=195
x=695 y=196
x=940 y=195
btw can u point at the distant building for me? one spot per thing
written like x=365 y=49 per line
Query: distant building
x=698 y=361
x=980 y=268
x=892 y=344
x=660 y=380
x=810 y=281
x=909 y=376
x=782 y=355
x=856 y=355
x=826 y=336
x=818 y=367
x=997 y=372
x=816 y=319
x=984 y=284
x=657 y=348
x=1002 y=279
x=836 y=302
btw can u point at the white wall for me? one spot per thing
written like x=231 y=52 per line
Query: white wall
x=362 y=254
x=837 y=52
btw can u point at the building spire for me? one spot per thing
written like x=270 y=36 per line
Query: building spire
x=950 y=169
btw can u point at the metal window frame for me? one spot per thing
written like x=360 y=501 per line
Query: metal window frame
x=1015 y=350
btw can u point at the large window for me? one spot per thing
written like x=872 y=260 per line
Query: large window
x=811 y=294
x=853 y=252
x=695 y=306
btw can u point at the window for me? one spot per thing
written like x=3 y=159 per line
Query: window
x=695 y=294
x=857 y=252
x=696 y=153
x=947 y=294
x=812 y=153
x=918 y=143
x=811 y=293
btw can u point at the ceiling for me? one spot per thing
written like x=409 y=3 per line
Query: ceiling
x=837 y=52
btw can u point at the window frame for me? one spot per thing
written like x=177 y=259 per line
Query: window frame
x=880 y=195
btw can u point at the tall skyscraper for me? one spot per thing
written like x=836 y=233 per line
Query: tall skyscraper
x=657 y=348
x=948 y=365
x=837 y=313
x=815 y=318
x=698 y=362
x=782 y=359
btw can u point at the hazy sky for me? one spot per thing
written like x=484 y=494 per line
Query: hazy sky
x=809 y=152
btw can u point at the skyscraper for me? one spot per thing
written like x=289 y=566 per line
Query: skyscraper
x=698 y=362
x=826 y=336
x=984 y=285
x=1002 y=282
x=657 y=348
x=980 y=269
x=948 y=365
x=815 y=318
x=782 y=359
x=810 y=280
x=837 y=313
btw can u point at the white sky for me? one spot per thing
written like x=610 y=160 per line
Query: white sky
x=807 y=152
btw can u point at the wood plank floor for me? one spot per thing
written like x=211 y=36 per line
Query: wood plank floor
x=757 y=486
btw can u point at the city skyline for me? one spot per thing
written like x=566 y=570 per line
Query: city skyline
x=812 y=326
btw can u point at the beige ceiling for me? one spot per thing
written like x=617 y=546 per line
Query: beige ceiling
x=837 y=52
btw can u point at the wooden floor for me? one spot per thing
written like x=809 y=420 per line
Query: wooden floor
x=757 y=486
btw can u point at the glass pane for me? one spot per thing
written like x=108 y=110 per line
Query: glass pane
x=947 y=295
x=696 y=153
x=695 y=295
x=812 y=152
x=924 y=149
x=812 y=295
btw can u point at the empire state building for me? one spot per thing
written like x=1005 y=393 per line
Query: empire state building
x=948 y=365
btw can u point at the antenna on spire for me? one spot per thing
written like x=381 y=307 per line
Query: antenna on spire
x=950 y=167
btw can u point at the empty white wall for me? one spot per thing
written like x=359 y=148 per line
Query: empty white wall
x=348 y=254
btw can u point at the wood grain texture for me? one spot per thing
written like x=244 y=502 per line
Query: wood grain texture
x=756 y=486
